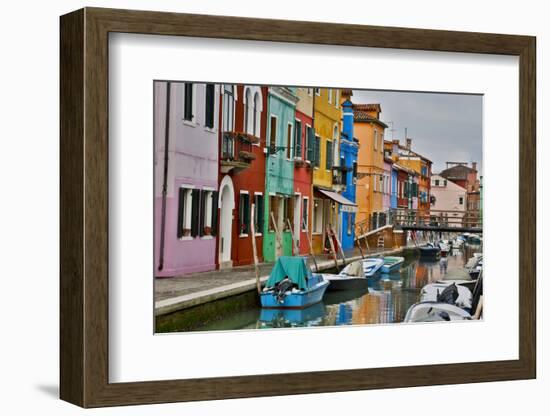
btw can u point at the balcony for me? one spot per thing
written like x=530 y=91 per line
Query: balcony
x=236 y=151
x=338 y=179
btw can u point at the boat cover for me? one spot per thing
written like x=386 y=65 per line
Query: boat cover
x=294 y=268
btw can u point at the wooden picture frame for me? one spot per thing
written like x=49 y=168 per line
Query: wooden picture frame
x=84 y=207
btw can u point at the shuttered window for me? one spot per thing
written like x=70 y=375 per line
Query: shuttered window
x=289 y=141
x=329 y=155
x=298 y=138
x=244 y=214
x=185 y=206
x=317 y=151
x=305 y=214
x=258 y=213
x=272 y=134
x=310 y=144
x=188 y=102
x=209 y=106
x=195 y=206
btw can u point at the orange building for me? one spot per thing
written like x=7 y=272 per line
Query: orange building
x=369 y=130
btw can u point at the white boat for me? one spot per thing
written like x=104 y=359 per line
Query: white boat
x=369 y=267
x=457 y=243
x=435 y=312
x=444 y=290
x=444 y=247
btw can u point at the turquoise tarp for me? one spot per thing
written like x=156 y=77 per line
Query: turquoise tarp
x=293 y=267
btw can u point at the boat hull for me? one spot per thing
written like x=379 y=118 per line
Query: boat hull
x=298 y=300
x=338 y=282
x=392 y=267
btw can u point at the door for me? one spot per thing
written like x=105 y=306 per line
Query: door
x=227 y=204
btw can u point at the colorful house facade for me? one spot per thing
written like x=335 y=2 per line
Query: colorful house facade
x=369 y=130
x=448 y=196
x=327 y=127
x=304 y=137
x=186 y=179
x=241 y=172
x=279 y=175
x=349 y=147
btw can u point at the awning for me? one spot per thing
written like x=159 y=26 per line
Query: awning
x=346 y=204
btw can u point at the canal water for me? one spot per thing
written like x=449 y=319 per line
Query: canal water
x=387 y=300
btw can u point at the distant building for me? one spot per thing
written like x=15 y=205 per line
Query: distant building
x=449 y=197
x=466 y=177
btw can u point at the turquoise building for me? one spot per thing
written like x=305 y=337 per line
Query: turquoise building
x=279 y=176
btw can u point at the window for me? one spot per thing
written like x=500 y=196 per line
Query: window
x=272 y=134
x=209 y=106
x=206 y=213
x=329 y=155
x=460 y=200
x=289 y=140
x=375 y=139
x=305 y=214
x=329 y=93
x=256 y=124
x=244 y=214
x=317 y=216
x=310 y=91
x=350 y=224
x=188 y=101
x=310 y=144
x=318 y=91
x=354 y=172
x=297 y=138
x=317 y=150
x=258 y=213
x=336 y=156
x=381 y=142
x=437 y=182
x=248 y=117
x=188 y=212
x=228 y=108
x=445 y=182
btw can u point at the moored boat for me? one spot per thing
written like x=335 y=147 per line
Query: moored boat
x=369 y=267
x=429 y=250
x=435 y=312
x=450 y=292
x=291 y=284
x=392 y=264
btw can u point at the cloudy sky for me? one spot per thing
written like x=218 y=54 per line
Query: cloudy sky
x=444 y=127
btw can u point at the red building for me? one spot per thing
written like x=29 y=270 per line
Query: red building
x=243 y=122
x=303 y=177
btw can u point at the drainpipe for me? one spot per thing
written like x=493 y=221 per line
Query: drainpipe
x=165 y=177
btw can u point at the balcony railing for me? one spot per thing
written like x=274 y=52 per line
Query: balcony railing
x=236 y=150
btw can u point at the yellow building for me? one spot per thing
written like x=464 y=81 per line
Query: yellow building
x=369 y=130
x=327 y=125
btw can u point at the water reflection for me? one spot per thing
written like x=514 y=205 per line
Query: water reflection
x=386 y=301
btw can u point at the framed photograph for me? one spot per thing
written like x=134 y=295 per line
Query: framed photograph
x=254 y=207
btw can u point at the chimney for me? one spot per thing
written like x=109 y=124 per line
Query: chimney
x=474 y=166
x=409 y=141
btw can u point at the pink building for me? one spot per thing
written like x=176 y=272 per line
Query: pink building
x=448 y=196
x=186 y=177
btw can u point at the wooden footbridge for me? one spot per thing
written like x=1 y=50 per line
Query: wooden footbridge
x=422 y=220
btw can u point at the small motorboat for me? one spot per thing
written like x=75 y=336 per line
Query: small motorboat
x=474 y=265
x=450 y=292
x=369 y=266
x=392 y=264
x=355 y=275
x=457 y=243
x=474 y=239
x=291 y=284
x=430 y=250
x=435 y=312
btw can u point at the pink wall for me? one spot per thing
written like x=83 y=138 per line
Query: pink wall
x=193 y=160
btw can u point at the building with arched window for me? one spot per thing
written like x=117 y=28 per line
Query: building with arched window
x=241 y=173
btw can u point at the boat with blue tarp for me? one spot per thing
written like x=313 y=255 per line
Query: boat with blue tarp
x=291 y=284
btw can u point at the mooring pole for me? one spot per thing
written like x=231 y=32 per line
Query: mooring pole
x=254 y=251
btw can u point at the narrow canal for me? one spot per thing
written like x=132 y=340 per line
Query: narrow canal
x=387 y=300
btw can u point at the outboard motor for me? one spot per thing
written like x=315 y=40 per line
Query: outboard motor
x=448 y=295
x=281 y=288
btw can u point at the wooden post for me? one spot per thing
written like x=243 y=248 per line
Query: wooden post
x=358 y=241
x=339 y=245
x=277 y=235
x=328 y=232
x=292 y=235
x=256 y=268
x=310 y=244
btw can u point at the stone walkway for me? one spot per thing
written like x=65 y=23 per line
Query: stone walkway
x=176 y=293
